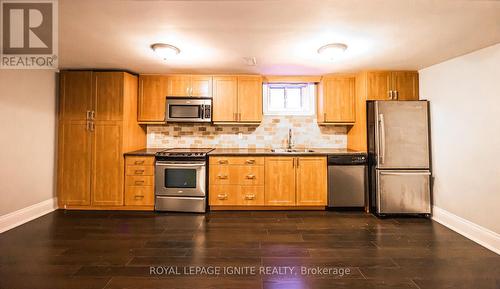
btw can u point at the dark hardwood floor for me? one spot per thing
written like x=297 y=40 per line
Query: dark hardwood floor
x=75 y=249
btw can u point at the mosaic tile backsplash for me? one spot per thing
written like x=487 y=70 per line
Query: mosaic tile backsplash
x=271 y=133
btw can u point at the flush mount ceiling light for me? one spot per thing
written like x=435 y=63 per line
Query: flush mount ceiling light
x=165 y=51
x=333 y=50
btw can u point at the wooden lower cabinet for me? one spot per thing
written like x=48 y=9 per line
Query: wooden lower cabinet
x=139 y=181
x=311 y=181
x=279 y=182
x=74 y=163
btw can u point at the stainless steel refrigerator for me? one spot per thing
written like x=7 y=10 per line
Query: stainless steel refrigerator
x=399 y=157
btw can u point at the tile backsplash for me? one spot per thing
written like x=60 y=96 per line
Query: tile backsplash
x=271 y=133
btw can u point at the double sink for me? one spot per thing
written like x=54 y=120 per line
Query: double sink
x=292 y=151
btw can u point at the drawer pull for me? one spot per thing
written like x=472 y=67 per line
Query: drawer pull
x=222 y=196
x=249 y=197
x=139 y=172
x=250 y=162
x=223 y=162
x=137 y=197
x=222 y=177
x=139 y=162
x=137 y=183
x=250 y=177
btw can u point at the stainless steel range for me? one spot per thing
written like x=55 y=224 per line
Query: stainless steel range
x=180 y=180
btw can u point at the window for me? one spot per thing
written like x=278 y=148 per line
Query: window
x=289 y=98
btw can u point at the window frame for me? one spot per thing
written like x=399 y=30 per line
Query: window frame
x=309 y=88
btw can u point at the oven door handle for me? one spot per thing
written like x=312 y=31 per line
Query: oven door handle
x=173 y=164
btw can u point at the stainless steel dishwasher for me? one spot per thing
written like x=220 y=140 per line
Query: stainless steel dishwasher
x=347 y=180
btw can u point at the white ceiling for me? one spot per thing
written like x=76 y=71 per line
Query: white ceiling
x=283 y=35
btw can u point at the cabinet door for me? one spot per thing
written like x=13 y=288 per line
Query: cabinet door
x=74 y=163
x=201 y=86
x=406 y=84
x=378 y=85
x=152 y=96
x=107 y=164
x=311 y=181
x=75 y=95
x=179 y=85
x=108 y=95
x=339 y=96
x=225 y=98
x=250 y=98
x=279 y=181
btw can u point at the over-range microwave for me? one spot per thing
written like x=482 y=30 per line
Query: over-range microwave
x=188 y=110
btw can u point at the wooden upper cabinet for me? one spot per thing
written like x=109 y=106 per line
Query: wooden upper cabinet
x=108 y=95
x=179 y=85
x=336 y=103
x=279 y=181
x=249 y=98
x=152 y=97
x=201 y=86
x=311 y=181
x=225 y=98
x=405 y=83
x=190 y=86
x=75 y=95
x=378 y=85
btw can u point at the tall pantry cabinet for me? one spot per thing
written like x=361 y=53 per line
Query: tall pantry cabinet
x=97 y=124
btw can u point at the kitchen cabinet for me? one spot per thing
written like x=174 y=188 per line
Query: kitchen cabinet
x=151 y=98
x=237 y=99
x=296 y=181
x=280 y=181
x=189 y=86
x=379 y=85
x=311 y=181
x=236 y=181
x=139 y=181
x=336 y=100
x=97 y=124
x=250 y=98
x=225 y=98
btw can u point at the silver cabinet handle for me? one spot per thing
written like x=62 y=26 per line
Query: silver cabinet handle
x=381 y=139
x=88 y=115
x=389 y=94
x=397 y=94
x=92 y=115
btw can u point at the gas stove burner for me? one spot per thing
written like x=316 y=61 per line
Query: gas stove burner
x=184 y=152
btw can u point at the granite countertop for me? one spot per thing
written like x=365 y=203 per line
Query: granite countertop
x=268 y=152
x=263 y=152
x=144 y=152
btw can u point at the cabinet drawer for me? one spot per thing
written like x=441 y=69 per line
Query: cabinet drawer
x=139 y=170
x=224 y=175
x=139 y=161
x=251 y=175
x=251 y=196
x=139 y=196
x=247 y=160
x=139 y=181
x=225 y=195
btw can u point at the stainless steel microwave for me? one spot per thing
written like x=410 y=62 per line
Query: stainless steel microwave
x=188 y=110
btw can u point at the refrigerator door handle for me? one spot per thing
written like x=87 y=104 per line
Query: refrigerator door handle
x=382 y=138
x=406 y=173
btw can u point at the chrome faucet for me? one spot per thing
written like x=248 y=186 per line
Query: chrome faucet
x=290 y=143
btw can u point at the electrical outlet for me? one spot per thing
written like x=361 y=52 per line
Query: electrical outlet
x=240 y=135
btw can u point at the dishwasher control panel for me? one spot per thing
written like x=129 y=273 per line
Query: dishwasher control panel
x=360 y=159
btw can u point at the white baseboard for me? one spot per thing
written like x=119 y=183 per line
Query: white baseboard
x=27 y=214
x=476 y=233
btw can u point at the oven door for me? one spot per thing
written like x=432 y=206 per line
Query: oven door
x=188 y=110
x=180 y=178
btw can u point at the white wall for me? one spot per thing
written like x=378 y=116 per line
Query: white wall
x=465 y=118
x=27 y=138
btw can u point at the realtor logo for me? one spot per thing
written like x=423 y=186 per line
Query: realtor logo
x=29 y=34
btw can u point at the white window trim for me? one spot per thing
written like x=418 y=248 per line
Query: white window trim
x=311 y=88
